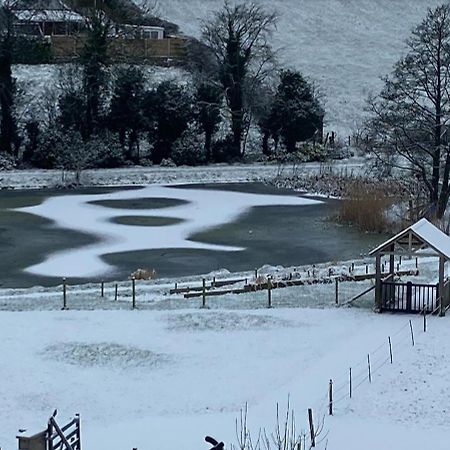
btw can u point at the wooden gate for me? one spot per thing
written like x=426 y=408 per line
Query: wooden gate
x=409 y=297
x=67 y=437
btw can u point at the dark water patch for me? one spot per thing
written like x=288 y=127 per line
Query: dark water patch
x=26 y=239
x=140 y=203
x=286 y=235
x=143 y=221
x=22 y=198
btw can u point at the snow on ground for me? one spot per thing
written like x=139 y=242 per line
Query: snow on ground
x=200 y=209
x=153 y=379
x=215 y=173
x=170 y=371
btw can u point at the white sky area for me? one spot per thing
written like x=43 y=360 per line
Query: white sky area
x=206 y=209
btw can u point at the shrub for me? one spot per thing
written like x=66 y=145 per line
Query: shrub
x=144 y=274
x=189 y=149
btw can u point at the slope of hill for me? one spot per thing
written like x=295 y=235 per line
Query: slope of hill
x=345 y=45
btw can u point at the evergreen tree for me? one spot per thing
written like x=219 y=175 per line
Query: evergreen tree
x=125 y=114
x=167 y=112
x=296 y=113
x=8 y=122
x=208 y=97
x=95 y=77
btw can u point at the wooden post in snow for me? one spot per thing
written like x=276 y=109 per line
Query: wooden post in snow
x=311 y=428
x=64 y=294
x=336 y=290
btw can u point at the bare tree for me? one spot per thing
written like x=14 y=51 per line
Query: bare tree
x=239 y=38
x=411 y=115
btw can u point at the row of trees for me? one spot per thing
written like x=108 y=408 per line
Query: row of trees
x=234 y=85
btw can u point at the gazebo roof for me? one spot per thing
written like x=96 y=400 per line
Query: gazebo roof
x=421 y=235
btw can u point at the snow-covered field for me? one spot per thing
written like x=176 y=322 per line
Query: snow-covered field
x=170 y=372
x=150 y=379
x=345 y=45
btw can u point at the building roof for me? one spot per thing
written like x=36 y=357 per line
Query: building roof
x=420 y=235
x=49 y=15
x=46 y=11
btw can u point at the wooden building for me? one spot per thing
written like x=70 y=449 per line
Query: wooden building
x=418 y=240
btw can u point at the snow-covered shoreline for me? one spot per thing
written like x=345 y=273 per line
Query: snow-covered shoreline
x=139 y=176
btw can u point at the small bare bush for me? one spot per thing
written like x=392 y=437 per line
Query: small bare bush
x=144 y=274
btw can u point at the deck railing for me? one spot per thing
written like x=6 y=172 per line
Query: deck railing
x=409 y=297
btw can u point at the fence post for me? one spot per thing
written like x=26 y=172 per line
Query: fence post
x=424 y=320
x=412 y=332
x=311 y=428
x=269 y=292
x=115 y=292
x=203 y=293
x=133 y=288
x=330 y=395
x=103 y=289
x=337 y=291
x=64 y=294
x=368 y=366
x=390 y=348
x=350 y=382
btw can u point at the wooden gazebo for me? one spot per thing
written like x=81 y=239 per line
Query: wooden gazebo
x=420 y=239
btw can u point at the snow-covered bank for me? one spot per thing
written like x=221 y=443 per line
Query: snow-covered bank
x=217 y=173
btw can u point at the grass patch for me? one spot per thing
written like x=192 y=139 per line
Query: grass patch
x=366 y=206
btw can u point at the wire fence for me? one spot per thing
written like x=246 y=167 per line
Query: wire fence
x=342 y=389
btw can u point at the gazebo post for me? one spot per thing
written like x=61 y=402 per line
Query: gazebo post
x=441 y=286
x=378 y=302
x=392 y=262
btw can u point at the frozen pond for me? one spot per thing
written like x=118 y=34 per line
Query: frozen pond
x=176 y=230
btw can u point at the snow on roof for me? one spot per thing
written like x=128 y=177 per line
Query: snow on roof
x=48 y=15
x=426 y=232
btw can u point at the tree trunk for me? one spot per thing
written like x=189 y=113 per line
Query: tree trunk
x=8 y=126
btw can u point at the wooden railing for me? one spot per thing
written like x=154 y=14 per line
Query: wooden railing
x=409 y=297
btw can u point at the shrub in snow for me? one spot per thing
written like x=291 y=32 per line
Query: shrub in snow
x=107 y=150
x=188 y=149
x=144 y=274
x=222 y=150
x=7 y=162
x=167 y=162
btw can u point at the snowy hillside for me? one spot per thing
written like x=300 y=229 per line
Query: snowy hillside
x=345 y=45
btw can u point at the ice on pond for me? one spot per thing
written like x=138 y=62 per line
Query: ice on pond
x=195 y=209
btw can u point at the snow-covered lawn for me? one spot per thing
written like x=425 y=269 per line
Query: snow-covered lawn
x=161 y=379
